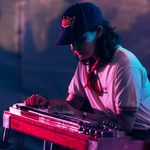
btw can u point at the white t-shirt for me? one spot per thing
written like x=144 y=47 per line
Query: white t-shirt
x=125 y=85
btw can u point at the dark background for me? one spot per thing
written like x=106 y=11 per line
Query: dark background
x=31 y=63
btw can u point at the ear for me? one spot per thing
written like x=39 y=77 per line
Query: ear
x=99 y=31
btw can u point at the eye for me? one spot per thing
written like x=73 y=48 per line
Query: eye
x=82 y=40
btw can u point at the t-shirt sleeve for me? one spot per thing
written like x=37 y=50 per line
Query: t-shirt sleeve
x=128 y=88
x=76 y=86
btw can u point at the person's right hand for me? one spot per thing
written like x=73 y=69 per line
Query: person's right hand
x=36 y=100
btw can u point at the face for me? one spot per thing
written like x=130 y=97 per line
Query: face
x=84 y=48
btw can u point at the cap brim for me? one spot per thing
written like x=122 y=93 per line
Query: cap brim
x=67 y=37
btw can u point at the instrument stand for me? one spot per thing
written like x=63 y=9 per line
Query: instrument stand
x=5 y=134
x=47 y=145
x=4 y=143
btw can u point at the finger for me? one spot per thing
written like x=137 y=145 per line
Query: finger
x=37 y=99
x=43 y=102
x=27 y=102
x=32 y=100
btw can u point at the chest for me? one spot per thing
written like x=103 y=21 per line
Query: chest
x=105 y=80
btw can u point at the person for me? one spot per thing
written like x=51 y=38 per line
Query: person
x=109 y=81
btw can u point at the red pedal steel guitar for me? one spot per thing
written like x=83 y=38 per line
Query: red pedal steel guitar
x=65 y=130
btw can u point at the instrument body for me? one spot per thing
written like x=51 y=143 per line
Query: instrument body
x=66 y=130
x=46 y=127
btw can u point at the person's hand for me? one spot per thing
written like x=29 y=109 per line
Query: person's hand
x=36 y=100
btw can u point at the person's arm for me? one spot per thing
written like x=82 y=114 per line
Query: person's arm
x=36 y=100
x=72 y=103
x=127 y=95
x=126 y=120
x=76 y=101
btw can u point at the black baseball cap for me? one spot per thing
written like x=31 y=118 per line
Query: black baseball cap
x=78 y=19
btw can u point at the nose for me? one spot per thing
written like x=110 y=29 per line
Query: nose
x=75 y=51
x=73 y=47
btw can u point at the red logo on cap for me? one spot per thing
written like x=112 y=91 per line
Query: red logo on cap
x=67 y=21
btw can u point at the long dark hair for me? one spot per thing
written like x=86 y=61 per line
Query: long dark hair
x=106 y=45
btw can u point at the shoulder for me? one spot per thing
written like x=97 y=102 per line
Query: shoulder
x=126 y=63
x=125 y=58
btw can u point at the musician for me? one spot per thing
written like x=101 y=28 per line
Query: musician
x=108 y=77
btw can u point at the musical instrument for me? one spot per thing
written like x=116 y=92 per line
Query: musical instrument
x=59 y=129
x=68 y=131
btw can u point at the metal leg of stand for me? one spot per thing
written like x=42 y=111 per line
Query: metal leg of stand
x=51 y=146
x=5 y=134
x=44 y=145
x=5 y=137
x=47 y=144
